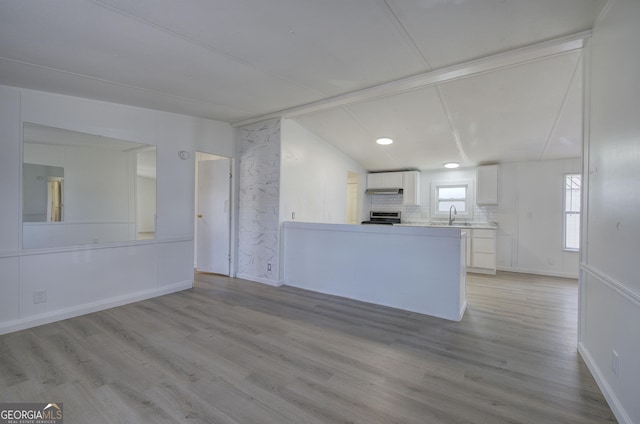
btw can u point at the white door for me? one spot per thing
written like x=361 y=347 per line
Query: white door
x=352 y=203
x=213 y=220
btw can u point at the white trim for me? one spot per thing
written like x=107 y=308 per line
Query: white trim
x=469 y=200
x=74 y=311
x=603 y=13
x=87 y=222
x=538 y=272
x=463 y=308
x=584 y=209
x=84 y=247
x=486 y=271
x=255 y=279
x=614 y=284
x=506 y=59
x=615 y=405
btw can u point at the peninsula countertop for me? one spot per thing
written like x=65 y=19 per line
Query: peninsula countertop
x=456 y=224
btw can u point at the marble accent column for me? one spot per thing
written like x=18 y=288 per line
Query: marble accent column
x=259 y=199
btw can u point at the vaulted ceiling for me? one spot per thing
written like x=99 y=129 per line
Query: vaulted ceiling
x=473 y=81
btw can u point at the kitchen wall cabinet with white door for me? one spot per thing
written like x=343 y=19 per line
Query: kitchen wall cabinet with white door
x=384 y=180
x=487 y=185
x=408 y=181
x=483 y=251
x=411 y=188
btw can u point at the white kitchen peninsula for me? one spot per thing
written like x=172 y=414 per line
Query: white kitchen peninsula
x=418 y=269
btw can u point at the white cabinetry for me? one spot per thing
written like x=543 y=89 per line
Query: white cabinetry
x=408 y=181
x=487 y=185
x=384 y=180
x=483 y=251
x=411 y=188
x=467 y=254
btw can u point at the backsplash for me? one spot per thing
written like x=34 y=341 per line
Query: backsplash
x=422 y=213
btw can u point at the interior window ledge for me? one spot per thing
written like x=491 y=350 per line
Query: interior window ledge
x=85 y=247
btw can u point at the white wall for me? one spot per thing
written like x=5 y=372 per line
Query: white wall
x=314 y=177
x=10 y=173
x=89 y=278
x=530 y=218
x=609 y=284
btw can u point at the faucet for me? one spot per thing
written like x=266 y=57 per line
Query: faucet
x=455 y=212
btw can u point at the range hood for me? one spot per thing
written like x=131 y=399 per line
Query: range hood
x=384 y=191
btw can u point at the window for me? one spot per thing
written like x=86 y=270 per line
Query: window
x=447 y=194
x=454 y=195
x=572 y=185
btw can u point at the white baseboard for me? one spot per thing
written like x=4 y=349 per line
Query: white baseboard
x=259 y=280
x=87 y=308
x=539 y=272
x=481 y=271
x=462 y=310
x=617 y=409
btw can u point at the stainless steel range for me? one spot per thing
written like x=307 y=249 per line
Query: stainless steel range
x=383 y=218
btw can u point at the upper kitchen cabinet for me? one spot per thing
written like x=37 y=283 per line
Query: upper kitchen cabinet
x=411 y=188
x=487 y=185
x=405 y=183
x=384 y=180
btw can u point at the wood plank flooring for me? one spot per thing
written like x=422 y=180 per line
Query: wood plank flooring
x=232 y=351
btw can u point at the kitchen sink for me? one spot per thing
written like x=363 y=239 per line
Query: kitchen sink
x=446 y=224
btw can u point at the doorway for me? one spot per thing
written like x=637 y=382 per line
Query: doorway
x=55 y=195
x=213 y=214
x=352 y=197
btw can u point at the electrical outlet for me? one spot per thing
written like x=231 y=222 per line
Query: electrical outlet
x=269 y=267
x=615 y=363
x=39 y=296
x=293 y=215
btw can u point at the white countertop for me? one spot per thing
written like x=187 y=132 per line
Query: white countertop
x=410 y=229
x=456 y=224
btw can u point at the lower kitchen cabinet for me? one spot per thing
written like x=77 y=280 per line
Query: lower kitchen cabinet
x=483 y=251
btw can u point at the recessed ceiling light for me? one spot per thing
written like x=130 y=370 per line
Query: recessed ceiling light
x=451 y=165
x=384 y=141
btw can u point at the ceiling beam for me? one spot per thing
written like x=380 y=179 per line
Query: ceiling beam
x=468 y=69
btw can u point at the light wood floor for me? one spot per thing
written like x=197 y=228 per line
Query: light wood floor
x=232 y=351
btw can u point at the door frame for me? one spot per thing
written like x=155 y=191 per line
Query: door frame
x=232 y=210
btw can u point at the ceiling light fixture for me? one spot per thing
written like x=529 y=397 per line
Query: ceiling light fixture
x=451 y=165
x=384 y=141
